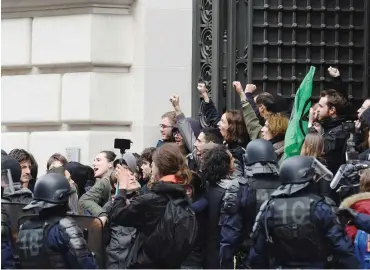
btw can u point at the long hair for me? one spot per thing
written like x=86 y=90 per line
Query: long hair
x=313 y=145
x=237 y=131
x=169 y=160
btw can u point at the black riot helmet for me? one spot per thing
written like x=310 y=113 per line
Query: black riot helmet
x=50 y=190
x=260 y=150
x=297 y=170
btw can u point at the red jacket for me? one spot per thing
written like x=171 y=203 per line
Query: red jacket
x=360 y=203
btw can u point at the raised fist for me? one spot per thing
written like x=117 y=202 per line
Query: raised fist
x=334 y=72
x=202 y=89
x=250 y=88
x=238 y=87
x=175 y=100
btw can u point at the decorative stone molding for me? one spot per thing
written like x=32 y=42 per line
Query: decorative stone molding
x=11 y=9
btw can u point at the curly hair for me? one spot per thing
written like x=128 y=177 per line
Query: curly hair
x=277 y=124
x=237 y=131
x=216 y=164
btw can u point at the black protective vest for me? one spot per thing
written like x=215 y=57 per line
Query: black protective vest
x=5 y=227
x=33 y=247
x=261 y=188
x=296 y=240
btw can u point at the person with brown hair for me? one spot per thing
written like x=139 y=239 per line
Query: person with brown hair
x=313 y=145
x=234 y=132
x=92 y=201
x=276 y=123
x=232 y=127
x=56 y=160
x=168 y=122
x=25 y=160
x=359 y=202
x=148 y=213
x=331 y=114
x=274 y=131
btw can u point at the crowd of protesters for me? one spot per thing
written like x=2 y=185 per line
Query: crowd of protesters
x=231 y=186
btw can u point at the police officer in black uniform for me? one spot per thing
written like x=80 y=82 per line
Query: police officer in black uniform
x=297 y=228
x=52 y=240
x=7 y=250
x=262 y=173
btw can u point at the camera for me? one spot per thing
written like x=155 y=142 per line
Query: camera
x=347 y=180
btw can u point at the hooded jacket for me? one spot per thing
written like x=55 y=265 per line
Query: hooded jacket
x=360 y=203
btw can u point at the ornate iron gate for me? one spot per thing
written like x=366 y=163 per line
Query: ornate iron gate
x=272 y=43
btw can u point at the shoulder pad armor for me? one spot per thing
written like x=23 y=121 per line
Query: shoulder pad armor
x=231 y=200
x=74 y=234
x=263 y=208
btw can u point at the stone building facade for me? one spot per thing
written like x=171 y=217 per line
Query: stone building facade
x=79 y=73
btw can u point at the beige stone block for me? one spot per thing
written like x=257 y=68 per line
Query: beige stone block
x=102 y=39
x=100 y=98
x=112 y=39
x=168 y=38
x=15 y=42
x=90 y=143
x=61 y=39
x=12 y=140
x=30 y=99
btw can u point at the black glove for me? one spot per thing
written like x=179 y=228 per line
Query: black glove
x=346 y=215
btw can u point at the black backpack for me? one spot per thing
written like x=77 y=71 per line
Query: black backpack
x=174 y=236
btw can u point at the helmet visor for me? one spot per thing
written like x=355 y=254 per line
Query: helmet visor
x=7 y=180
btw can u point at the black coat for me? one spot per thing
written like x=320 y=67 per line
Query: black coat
x=335 y=143
x=144 y=213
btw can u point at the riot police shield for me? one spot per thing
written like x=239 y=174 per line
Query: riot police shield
x=15 y=212
x=92 y=227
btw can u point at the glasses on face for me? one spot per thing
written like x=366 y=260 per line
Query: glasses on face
x=165 y=126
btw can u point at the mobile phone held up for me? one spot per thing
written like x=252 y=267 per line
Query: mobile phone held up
x=122 y=144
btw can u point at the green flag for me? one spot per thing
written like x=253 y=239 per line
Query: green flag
x=298 y=123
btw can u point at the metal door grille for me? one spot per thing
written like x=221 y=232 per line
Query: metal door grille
x=272 y=43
